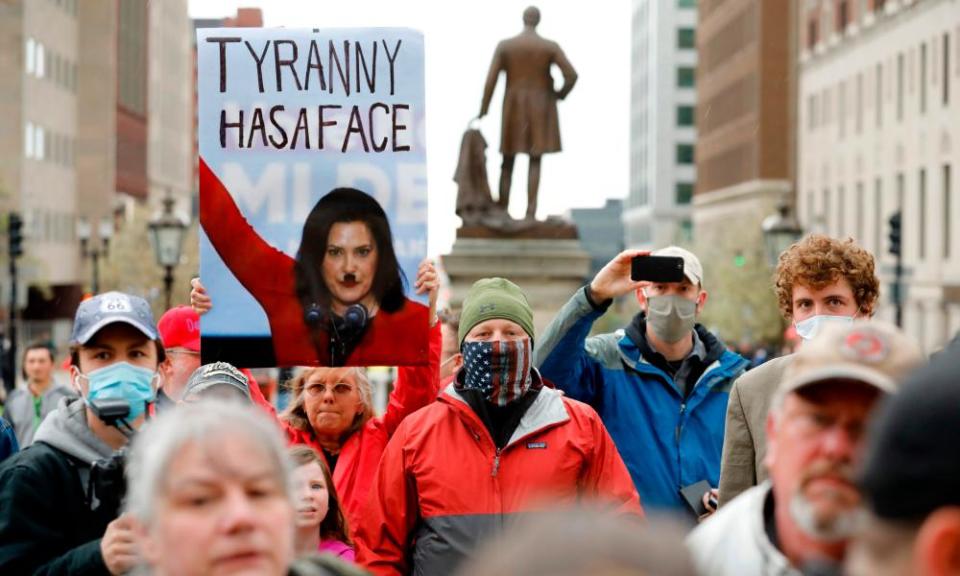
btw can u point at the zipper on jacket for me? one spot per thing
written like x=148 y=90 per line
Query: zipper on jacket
x=683 y=408
x=496 y=462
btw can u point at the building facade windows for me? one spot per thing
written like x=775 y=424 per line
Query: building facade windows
x=686 y=77
x=900 y=73
x=685 y=115
x=947 y=209
x=879 y=89
x=684 y=192
x=946 y=69
x=922 y=215
x=685 y=154
x=923 y=78
x=686 y=38
x=686 y=3
x=878 y=216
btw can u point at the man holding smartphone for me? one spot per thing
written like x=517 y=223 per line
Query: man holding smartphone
x=661 y=384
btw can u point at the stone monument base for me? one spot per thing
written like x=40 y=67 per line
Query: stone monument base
x=548 y=270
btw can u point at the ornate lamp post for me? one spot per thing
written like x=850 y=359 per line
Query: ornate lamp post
x=780 y=230
x=166 y=235
x=90 y=249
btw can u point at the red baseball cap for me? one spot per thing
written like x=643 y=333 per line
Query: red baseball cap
x=179 y=327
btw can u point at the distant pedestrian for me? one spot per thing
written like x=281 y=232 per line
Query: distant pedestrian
x=26 y=408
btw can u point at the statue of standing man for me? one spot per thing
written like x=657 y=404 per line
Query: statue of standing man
x=530 y=124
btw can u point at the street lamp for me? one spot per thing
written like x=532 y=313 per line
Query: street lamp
x=780 y=231
x=90 y=249
x=166 y=235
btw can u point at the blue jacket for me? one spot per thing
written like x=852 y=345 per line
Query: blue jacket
x=667 y=441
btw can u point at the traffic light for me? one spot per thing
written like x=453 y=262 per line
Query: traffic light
x=895 y=247
x=15 y=235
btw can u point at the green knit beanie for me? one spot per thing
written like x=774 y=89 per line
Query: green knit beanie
x=491 y=298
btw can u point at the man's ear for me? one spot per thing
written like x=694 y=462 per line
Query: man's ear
x=771 y=427
x=457 y=361
x=937 y=547
x=75 y=379
x=641 y=298
x=701 y=301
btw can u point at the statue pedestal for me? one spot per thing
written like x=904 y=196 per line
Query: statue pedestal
x=548 y=270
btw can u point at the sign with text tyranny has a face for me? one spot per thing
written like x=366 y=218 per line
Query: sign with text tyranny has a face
x=313 y=195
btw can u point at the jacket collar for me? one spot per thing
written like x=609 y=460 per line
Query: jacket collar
x=546 y=411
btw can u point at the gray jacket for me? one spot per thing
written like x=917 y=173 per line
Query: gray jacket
x=20 y=412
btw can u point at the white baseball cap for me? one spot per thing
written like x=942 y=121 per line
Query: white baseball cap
x=691 y=264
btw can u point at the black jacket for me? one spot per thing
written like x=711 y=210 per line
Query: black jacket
x=46 y=523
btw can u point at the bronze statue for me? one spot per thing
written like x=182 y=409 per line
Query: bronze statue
x=529 y=125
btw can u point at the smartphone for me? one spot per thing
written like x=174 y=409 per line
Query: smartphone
x=693 y=496
x=657 y=268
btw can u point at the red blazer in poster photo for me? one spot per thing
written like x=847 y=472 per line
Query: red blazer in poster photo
x=341 y=301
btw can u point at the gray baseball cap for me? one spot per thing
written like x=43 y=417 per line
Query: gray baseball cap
x=216 y=375
x=110 y=307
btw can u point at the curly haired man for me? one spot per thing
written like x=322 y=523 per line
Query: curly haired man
x=819 y=280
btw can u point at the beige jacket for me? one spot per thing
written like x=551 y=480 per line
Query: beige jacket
x=745 y=433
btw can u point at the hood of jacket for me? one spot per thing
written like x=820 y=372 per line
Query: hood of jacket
x=67 y=430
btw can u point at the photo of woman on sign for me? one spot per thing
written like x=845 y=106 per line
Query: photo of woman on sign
x=341 y=301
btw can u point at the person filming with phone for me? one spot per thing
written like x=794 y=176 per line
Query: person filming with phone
x=661 y=384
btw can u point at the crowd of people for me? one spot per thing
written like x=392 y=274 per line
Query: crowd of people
x=654 y=449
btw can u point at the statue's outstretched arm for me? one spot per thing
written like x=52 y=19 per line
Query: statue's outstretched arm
x=492 y=76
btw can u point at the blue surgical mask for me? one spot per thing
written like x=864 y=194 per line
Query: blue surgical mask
x=809 y=328
x=122 y=381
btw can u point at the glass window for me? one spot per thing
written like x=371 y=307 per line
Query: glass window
x=30 y=56
x=878 y=212
x=41 y=61
x=684 y=192
x=900 y=86
x=685 y=154
x=879 y=100
x=923 y=78
x=685 y=115
x=39 y=143
x=28 y=145
x=686 y=3
x=922 y=220
x=946 y=211
x=686 y=77
x=686 y=38
x=946 y=68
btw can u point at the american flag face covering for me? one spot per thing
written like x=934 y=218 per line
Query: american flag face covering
x=500 y=369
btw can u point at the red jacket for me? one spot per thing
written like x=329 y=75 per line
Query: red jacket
x=414 y=388
x=391 y=338
x=442 y=485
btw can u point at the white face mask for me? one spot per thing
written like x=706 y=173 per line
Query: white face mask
x=809 y=328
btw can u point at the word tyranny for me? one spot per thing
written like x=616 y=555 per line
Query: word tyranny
x=350 y=67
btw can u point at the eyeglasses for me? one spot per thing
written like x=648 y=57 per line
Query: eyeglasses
x=319 y=389
x=181 y=351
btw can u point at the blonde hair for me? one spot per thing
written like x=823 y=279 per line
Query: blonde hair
x=296 y=413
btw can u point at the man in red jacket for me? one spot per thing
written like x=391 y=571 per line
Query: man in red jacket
x=496 y=444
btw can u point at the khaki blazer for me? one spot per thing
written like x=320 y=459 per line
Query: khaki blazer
x=745 y=433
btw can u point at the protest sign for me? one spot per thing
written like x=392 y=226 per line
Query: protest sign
x=313 y=195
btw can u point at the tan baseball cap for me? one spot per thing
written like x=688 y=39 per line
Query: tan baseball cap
x=691 y=264
x=869 y=351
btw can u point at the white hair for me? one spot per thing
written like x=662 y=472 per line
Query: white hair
x=205 y=423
